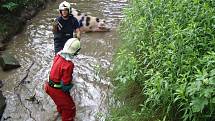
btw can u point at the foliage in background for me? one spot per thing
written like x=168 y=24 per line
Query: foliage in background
x=169 y=52
x=10 y=12
x=10 y=6
x=14 y=5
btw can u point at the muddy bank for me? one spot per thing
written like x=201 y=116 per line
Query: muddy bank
x=12 y=22
x=2 y=101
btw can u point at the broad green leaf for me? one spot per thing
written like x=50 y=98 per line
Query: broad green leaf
x=211 y=81
x=198 y=104
x=208 y=92
x=213 y=100
x=212 y=72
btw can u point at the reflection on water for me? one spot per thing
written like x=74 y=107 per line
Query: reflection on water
x=35 y=45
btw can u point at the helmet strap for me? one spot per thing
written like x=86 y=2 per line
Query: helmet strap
x=77 y=51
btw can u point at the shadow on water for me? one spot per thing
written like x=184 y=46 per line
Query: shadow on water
x=26 y=100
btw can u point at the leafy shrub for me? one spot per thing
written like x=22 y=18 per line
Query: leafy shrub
x=10 y=6
x=172 y=57
x=14 y=5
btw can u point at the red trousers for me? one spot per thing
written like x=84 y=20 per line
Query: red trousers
x=64 y=102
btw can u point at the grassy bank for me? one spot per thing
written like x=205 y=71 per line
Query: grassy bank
x=165 y=69
x=15 y=13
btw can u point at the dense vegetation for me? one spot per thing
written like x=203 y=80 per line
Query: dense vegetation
x=166 y=67
x=15 y=6
x=10 y=12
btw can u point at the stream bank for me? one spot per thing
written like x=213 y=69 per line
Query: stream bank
x=15 y=15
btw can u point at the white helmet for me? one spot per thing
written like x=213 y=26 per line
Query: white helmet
x=65 y=6
x=72 y=46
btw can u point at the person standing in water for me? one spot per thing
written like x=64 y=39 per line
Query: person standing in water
x=64 y=26
x=60 y=80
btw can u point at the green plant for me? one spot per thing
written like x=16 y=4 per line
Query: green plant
x=10 y=6
x=168 y=50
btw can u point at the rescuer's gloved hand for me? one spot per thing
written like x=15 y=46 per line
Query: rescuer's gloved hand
x=67 y=87
x=56 y=25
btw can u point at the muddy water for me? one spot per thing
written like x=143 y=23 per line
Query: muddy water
x=26 y=100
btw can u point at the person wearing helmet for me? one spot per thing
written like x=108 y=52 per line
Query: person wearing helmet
x=60 y=80
x=64 y=26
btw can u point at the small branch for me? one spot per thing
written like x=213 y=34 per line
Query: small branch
x=18 y=95
x=23 y=79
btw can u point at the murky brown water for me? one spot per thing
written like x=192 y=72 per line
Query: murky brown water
x=35 y=46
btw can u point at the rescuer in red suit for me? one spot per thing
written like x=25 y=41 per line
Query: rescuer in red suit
x=60 y=80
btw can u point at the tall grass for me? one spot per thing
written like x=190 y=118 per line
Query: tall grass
x=169 y=51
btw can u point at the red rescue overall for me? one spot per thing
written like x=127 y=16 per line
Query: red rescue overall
x=62 y=70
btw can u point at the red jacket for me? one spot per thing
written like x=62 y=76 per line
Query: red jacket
x=61 y=70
